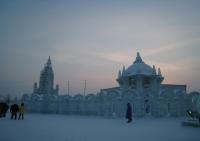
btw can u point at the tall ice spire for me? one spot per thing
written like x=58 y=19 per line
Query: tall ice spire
x=154 y=69
x=159 y=72
x=46 y=82
x=119 y=74
x=49 y=61
x=123 y=70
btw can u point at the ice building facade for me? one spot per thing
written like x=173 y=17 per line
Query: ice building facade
x=139 y=84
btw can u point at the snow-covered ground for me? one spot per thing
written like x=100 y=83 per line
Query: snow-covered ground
x=38 y=127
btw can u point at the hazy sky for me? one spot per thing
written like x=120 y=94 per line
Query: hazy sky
x=92 y=40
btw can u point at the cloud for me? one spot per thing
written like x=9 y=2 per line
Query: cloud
x=166 y=66
x=116 y=57
x=173 y=46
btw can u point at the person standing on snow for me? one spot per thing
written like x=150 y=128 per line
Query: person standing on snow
x=3 y=109
x=129 y=113
x=14 y=109
x=21 y=111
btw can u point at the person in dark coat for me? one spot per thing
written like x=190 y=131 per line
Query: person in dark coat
x=3 y=109
x=129 y=113
x=14 y=110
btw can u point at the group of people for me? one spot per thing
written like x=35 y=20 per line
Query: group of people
x=14 y=110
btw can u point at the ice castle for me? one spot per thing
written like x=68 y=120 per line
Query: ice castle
x=139 y=84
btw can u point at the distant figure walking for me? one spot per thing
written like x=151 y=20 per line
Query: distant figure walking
x=21 y=111
x=3 y=109
x=14 y=109
x=129 y=113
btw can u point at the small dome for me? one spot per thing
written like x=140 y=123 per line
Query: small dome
x=139 y=67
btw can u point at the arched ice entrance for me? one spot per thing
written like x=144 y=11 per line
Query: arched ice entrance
x=148 y=97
